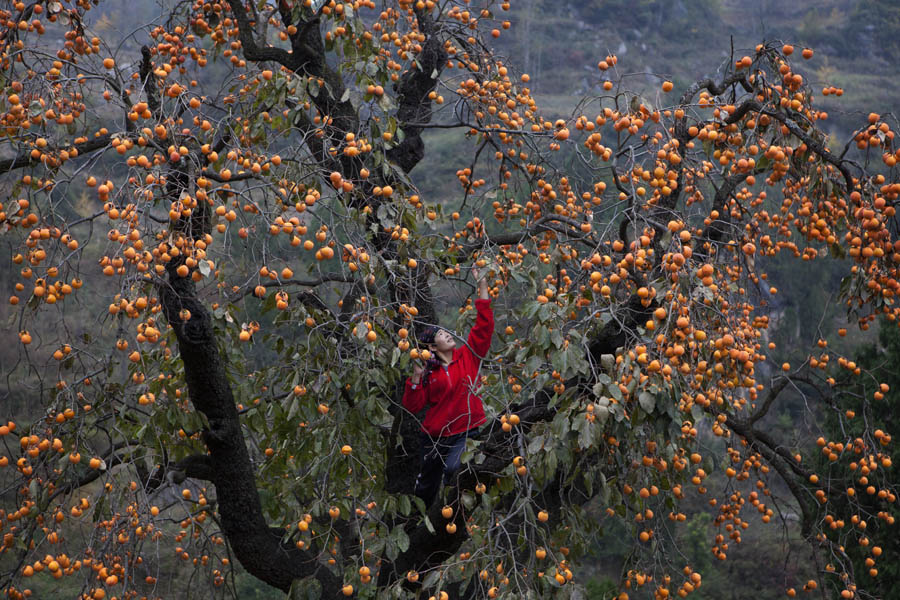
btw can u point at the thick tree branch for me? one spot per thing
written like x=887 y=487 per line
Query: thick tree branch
x=715 y=88
x=429 y=550
x=298 y=45
x=25 y=160
x=307 y=283
x=541 y=225
x=784 y=464
x=718 y=228
x=681 y=129
x=763 y=409
x=814 y=145
x=412 y=95
x=615 y=333
x=307 y=57
x=259 y=547
x=148 y=81
x=253 y=51
x=195 y=466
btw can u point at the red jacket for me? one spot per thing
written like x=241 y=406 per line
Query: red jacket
x=450 y=393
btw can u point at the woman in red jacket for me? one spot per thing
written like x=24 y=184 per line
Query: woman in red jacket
x=447 y=386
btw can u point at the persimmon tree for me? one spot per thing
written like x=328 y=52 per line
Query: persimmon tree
x=220 y=259
x=875 y=578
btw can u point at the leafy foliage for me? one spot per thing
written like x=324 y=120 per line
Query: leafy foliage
x=864 y=499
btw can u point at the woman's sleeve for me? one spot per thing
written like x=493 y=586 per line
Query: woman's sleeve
x=413 y=397
x=480 y=336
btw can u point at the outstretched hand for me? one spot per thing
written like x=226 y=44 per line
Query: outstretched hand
x=418 y=369
x=481 y=282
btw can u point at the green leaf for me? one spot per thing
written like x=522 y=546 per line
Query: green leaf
x=395 y=356
x=647 y=401
x=386 y=103
x=504 y=484
x=431 y=579
x=269 y=303
x=390 y=549
x=294 y=408
x=402 y=540
x=586 y=435
x=307 y=588
x=533 y=363
x=536 y=444
x=551 y=464
x=696 y=413
x=545 y=311
x=530 y=309
x=560 y=362
x=608 y=362
x=614 y=391
x=763 y=163
x=560 y=425
x=556 y=337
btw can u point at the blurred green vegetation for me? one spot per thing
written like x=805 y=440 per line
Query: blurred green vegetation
x=880 y=361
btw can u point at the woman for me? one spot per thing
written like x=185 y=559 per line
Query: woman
x=447 y=387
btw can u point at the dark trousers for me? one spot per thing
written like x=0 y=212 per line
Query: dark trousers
x=440 y=459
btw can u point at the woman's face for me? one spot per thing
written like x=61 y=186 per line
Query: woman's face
x=444 y=341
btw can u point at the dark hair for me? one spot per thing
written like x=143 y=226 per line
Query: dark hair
x=428 y=333
x=431 y=364
x=426 y=336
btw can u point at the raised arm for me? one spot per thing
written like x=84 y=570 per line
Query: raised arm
x=480 y=337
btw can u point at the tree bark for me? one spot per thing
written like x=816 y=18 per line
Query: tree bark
x=257 y=546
